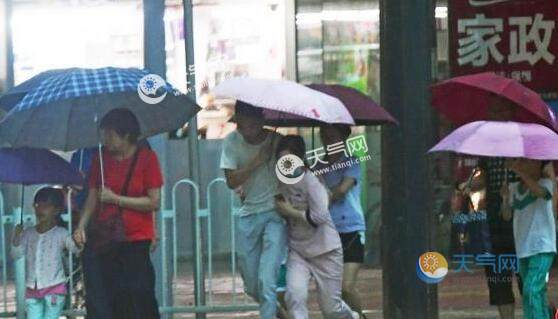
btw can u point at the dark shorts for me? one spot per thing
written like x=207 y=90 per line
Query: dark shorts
x=353 y=249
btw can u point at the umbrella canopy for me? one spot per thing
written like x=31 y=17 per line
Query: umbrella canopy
x=467 y=99
x=30 y=166
x=63 y=110
x=362 y=108
x=286 y=97
x=16 y=94
x=502 y=139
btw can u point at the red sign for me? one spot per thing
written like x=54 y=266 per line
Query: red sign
x=514 y=38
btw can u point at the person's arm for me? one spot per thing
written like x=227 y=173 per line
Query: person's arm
x=478 y=180
x=287 y=210
x=18 y=246
x=146 y=204
x=71 y=245
x=237 y=177
x=318 y=203
x=152 y=183
x=506 y=210
x=550 y=173
x=533 y=185
x=340 y=190
x=88 y=210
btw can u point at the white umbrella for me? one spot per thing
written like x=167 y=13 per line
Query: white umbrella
x=285 y=96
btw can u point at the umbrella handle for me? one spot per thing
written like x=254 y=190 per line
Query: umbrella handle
x=101 y=166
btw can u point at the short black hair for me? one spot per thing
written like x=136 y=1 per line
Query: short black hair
x=343 y=129
x=293 y=143
x=123 y=122
x=52 y=196
x=246 y=109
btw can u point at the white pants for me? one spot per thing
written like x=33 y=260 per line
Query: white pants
x=327 y=270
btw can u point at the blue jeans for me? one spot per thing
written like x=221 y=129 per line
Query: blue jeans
x=49 y=307
x=261 y=241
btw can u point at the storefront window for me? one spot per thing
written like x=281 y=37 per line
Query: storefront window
x=63 y=34
x=231 y=39
x=338 y=43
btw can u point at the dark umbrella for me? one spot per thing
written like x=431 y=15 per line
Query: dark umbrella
x=62 y=111
x=31 y=166
x=16 y=94
x=466 y=99
x=362 y=108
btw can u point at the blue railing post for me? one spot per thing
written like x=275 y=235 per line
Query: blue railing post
x=19 y=267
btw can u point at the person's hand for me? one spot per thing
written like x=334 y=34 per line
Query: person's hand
x=79 y=237
x=240 y=192
x=107 y=196
x=514 y=165
x=283 y=206
x=18 y=231
x=154 y=244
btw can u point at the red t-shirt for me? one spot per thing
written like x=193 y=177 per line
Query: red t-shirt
x=147 y=175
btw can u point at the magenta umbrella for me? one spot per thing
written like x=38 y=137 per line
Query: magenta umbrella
x=502 y=139
x=467 y=98
x=362 y=108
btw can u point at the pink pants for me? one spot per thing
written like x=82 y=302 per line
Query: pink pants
x=327 y=270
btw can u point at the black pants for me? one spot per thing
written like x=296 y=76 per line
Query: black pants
x=500 y=283
x=129 y=281
x=96 y=301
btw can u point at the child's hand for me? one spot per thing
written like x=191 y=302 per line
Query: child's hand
x=79 y=237
x=107 y=196
x=18 y=231
x=283 y=207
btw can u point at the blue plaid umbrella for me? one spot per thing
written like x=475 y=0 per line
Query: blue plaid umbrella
x=16 y=94
x=61 y=109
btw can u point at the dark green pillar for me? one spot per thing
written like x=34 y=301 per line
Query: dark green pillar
x=194 y=170
x=407 y=51
x=155 y=61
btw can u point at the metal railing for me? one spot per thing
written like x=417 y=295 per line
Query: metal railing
x=169 y=243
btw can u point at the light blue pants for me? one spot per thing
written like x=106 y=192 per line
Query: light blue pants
x=49 y=307
x=261 y=242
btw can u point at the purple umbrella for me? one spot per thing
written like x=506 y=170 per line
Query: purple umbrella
x=361 y=107
x=29 y=166
x=502 y=139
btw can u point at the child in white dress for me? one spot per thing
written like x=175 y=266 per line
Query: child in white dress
x=43 y=247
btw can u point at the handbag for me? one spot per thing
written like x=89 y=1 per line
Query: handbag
x=108 y=233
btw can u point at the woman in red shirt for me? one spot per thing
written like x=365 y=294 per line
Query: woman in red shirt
x=119 y=217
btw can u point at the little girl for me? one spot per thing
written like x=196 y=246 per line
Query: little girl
x=43 y=247
x=314 y=244
x=534 y=230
